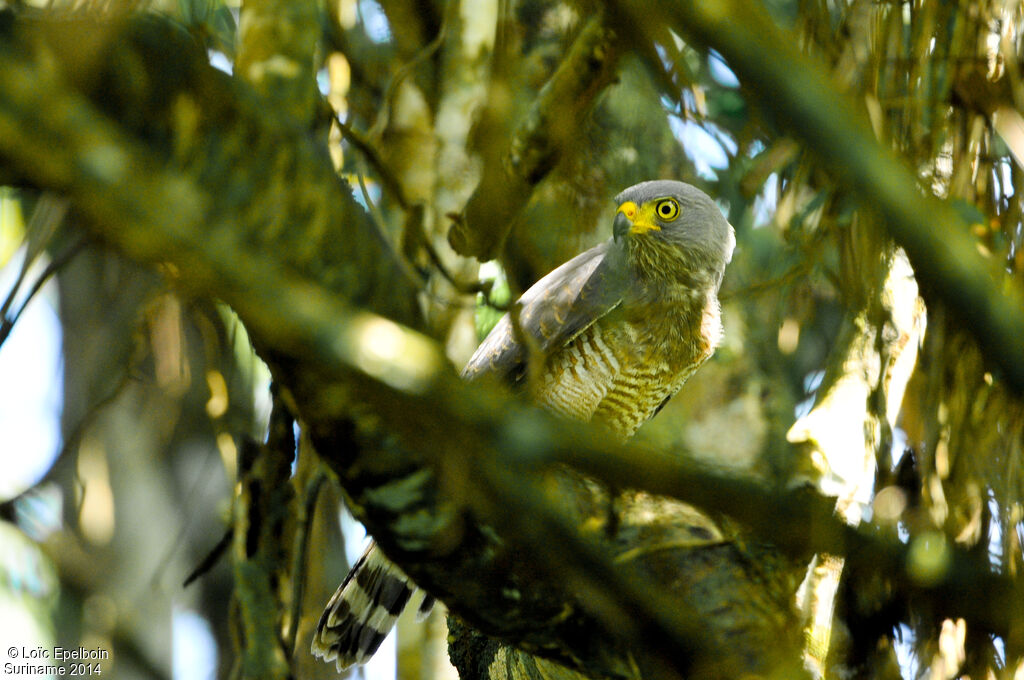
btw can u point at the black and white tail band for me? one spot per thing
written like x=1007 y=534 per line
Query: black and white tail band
x=363 y=610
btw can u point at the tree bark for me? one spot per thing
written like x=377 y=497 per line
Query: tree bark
x=185 y=170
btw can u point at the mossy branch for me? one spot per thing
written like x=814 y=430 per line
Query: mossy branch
x=181 y=191
x=548 y=129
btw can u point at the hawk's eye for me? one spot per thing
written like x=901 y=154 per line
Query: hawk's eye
x=667 y=209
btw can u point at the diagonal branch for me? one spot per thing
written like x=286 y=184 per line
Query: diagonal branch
x=403 y=433
x=353 y=376
x=797 y=91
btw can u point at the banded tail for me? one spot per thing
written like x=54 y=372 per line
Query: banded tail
x=363 y=610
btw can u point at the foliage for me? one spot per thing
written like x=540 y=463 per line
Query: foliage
x=324 y=210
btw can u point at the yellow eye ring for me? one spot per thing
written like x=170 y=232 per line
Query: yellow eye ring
x=667 y=209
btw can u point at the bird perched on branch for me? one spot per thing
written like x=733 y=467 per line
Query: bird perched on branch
x=607 y=337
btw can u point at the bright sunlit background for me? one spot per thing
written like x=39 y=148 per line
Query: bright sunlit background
x=31 y=388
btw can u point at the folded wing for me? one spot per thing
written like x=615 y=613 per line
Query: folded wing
x=553 y=312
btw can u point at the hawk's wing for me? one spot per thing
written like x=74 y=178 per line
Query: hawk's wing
x=554 y=311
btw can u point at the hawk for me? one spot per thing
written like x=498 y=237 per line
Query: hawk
x=607 y=337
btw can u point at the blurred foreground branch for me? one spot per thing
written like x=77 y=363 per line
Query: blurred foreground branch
x=549 y=128
x=204 y=199
x=797 y=90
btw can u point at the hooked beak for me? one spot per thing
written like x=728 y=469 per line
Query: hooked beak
x=623 y=223
x=621 y=226
x=630 y=219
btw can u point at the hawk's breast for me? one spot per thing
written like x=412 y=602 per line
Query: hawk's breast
x=619 y=372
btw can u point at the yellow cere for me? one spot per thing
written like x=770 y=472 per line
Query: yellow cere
x=643 y=217
x=628 y=209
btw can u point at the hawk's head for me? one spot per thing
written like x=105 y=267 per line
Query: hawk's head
x=669 y=224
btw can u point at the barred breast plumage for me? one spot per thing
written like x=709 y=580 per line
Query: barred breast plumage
x=615 y=332
x=619 y=373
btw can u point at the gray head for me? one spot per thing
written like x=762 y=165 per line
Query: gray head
x=667 y=216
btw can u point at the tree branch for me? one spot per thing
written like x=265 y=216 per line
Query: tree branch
x=337 y=374
x=383 y=407
x=277 y=43
x=146 y=100
x=798 y=91
x=511 y=173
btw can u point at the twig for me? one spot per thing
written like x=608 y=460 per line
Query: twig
x=52 y=268
x=792 y=274
x=391 y=89
x=386 y=176
x=300 y=553
x=216 y=553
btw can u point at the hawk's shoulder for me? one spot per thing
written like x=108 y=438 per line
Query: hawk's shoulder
x=553 y=311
